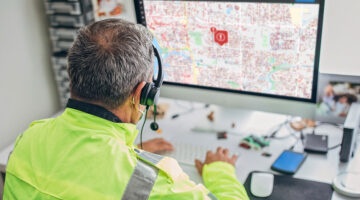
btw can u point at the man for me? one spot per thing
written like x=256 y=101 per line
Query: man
x=88 y=153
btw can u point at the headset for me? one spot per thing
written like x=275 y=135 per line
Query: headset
x=150 y=93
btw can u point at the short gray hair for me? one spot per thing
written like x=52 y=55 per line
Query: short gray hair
x=108 y=59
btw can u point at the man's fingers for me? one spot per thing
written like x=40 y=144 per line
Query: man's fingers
x=166 y=145
x=171 y=147
x=209 y=153
x=199 y=165
x=234 y=158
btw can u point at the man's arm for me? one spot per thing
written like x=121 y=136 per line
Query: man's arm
x=217 y=170
x=156 y=145
x=219 y=176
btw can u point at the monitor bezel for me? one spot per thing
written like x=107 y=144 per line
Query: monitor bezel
x=140 y=17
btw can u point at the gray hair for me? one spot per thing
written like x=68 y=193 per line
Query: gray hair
x=108 y=59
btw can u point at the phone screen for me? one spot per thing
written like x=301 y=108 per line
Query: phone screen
x=288 y=162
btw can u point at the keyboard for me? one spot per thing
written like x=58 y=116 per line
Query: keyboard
x=186 y=153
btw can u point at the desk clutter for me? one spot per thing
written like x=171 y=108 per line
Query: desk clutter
x=289 y=188
x=254 y=142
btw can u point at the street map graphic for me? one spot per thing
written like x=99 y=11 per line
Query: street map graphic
x=255 y=47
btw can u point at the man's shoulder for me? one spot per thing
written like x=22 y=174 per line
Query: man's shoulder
x=41 y=122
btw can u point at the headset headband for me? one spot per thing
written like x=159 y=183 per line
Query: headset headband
x=160 y=76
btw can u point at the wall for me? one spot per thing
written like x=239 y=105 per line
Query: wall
x=27 y=87
x=340 y=41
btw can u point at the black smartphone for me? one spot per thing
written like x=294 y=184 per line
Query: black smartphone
x=288 y=162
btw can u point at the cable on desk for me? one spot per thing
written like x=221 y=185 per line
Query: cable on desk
x=191 y=109
x=273 y=134
x=325 y=123
x=301 y=138
x=334 y=147
x=292 y=147
x=283 y=137
x=142 y=127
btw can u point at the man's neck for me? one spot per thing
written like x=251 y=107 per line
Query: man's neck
x=123 y=112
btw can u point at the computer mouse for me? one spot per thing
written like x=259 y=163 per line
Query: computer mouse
x=261 y=184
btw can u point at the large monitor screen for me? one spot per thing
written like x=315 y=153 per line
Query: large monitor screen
x=261 y=47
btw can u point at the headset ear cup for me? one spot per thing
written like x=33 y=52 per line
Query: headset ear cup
x=151 y=91
x=153 y=96
x=145 y=93
x=149 y=94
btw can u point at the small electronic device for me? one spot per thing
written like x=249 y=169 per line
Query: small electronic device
x=351 y=128
x=288 y=162
x=316 y=143
x=262 y=184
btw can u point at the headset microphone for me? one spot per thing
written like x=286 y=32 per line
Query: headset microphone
x=154 y=126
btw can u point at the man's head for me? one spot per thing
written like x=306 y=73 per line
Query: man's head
x=108 y=60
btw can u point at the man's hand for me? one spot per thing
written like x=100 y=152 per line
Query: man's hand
x=157 y=145
x=221 y=154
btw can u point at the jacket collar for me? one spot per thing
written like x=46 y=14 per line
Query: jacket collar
x=126 y=131
x=93 y=109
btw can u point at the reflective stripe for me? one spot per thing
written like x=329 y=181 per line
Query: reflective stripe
x=141 y=182
x=153 y=158
x=212 y=196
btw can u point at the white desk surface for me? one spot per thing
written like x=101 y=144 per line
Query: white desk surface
x=321 y=168
x=316 y=167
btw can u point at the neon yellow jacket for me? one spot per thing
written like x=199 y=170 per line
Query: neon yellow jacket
x=81 y=156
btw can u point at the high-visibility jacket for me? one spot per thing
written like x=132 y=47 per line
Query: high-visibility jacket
x=78 y=155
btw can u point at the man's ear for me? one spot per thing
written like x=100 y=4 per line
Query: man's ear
x=137 y=92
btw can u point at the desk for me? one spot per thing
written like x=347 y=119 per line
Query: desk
x=316 y=167
x=321 y=168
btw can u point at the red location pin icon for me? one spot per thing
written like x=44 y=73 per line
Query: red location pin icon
x=220 y=36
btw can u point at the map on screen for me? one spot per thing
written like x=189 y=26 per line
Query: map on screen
x=266 y=48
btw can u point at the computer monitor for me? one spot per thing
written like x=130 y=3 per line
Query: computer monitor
x=259 y=54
